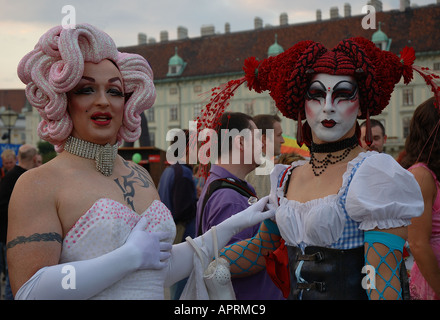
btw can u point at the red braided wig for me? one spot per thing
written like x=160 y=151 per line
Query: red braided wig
x=287 y=75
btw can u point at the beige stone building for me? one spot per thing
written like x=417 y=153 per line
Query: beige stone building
x=186 y=69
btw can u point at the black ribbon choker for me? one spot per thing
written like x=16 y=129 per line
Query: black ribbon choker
x=334 y=146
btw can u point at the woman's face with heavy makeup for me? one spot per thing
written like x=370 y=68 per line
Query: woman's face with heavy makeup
x=332 y=107
x=96 y=104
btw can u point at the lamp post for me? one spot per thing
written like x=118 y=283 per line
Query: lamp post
x=9 y=118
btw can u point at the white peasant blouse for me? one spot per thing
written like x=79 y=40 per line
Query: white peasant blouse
x=376 y=192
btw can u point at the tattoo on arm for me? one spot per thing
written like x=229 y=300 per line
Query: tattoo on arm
x=36 y=237
x=137 y=175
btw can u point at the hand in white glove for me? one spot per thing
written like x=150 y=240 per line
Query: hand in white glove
x=150 y=247
x=142 y=250
x=249 y=217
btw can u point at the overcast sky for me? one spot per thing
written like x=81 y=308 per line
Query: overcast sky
x=22 y=22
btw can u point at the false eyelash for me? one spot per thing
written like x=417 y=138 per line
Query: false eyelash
x=87 y=90
x=83 y=90
x=117 y=93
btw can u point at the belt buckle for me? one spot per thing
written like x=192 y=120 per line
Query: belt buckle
x=315 y=285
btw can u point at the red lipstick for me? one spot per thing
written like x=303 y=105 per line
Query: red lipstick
x=101 y=118
x=328 y=123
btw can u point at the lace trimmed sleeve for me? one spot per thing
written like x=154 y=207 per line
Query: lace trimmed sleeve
x=275 y=177
x=278 y=180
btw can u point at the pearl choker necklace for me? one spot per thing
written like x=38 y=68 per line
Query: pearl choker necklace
x=104 y=156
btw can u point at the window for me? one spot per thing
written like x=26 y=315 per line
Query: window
x=197 y=110
x=249 y=108
x=173 y=90
x=150 y=115
x=408 y=97
x=174 y=113
x=197 y=89
x=273 y=107
x=176 y=70
x=152 y=138
x=437 y=66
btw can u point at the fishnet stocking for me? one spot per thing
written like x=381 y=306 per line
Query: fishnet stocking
x=386 y=263
x=247 y=257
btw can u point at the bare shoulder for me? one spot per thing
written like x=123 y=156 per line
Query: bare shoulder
x=423 y=177
x=37 y=184
x=426 y=182
x=34 y=229
x=422 y=173
x=35 y=193
x=33 y=204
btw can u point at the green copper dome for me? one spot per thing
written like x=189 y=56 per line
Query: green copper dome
x=176 y=60
x=379 y=35
x=381 y=39
x=275 y=49
x=176 y=65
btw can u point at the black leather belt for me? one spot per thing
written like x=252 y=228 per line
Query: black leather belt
x=327 y=273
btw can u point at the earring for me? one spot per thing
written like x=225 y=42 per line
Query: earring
x=299 y=131
x=307 y=134
x=368 y=133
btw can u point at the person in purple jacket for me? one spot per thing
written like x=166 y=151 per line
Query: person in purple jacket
x=233 y=164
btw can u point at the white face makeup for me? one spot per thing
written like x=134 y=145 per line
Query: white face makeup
x=332 y=106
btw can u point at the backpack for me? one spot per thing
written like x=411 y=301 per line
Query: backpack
x=190 y=211
x=239 y=186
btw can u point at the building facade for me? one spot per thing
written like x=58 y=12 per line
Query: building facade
x=187 y=68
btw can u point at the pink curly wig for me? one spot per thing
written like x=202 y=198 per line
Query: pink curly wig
x=56 y=65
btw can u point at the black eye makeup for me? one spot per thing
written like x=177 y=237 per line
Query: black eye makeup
x=89 y=90
x=116 y=93
x=343 y=90
x=84 y=90
x=316 y=91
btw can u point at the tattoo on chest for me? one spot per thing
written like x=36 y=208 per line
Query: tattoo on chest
x=36 y=237
x=138 y=176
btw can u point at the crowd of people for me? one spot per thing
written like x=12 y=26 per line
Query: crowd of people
x=318 y=223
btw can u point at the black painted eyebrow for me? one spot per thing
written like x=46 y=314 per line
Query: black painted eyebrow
x=90 y=79
x=320 y=83
x=353 y=85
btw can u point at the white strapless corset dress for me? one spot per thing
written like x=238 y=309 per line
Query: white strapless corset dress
x=105 y=227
